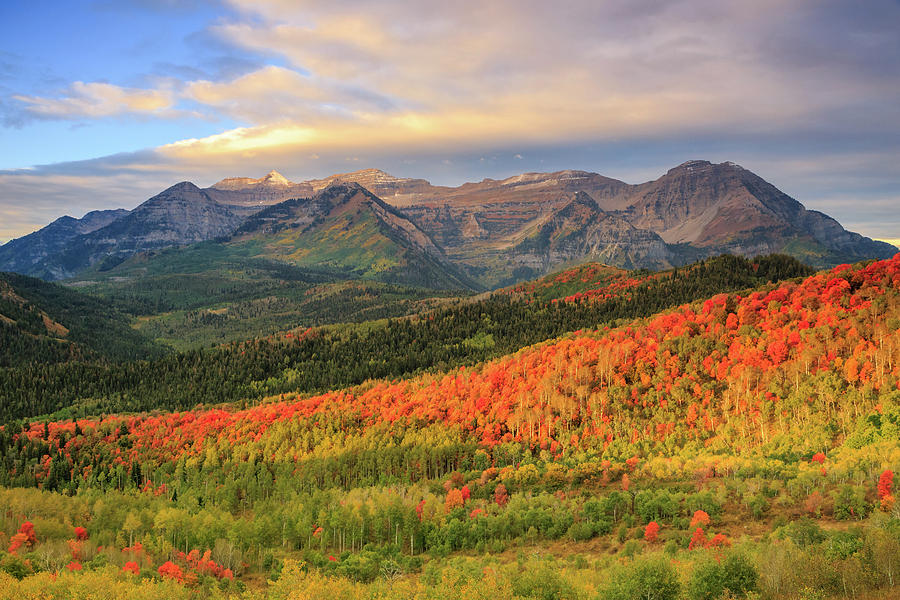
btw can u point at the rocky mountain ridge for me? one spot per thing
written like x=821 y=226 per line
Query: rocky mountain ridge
x=496 y=231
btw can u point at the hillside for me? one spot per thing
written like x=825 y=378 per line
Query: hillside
x=208 y=293
x=725 y=372
x=748 y=439
x=346 y=228
x=321 y=359
x=42 y=323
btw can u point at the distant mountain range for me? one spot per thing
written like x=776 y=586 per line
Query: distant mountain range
x=370 y=224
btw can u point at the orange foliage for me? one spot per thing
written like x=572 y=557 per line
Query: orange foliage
x=454 y=500
x=700 y=518
x=698 y=540
x=651 y=531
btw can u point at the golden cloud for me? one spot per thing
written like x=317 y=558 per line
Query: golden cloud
x=99 y=100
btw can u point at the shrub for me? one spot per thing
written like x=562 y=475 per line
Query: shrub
x=850 y=503
x=735 y=575
x=541 y=583
x=803 y=532
x=580 y=532
x=739 y=575
x=651 y=531
x=758 y=506
x=647 y=579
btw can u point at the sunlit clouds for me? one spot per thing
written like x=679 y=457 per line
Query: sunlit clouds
x=96 y=100
x=620 y=85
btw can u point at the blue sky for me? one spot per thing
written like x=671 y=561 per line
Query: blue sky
x=105 y=103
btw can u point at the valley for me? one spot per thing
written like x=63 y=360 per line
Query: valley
x=549 y=386
x=565 y=437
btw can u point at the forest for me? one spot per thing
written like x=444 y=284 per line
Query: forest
x=729 y=430
x=321 y=359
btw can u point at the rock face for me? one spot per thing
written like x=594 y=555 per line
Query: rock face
x=381 y=184
x=698 y=209
x=492 y=231
x=347 y=228
x=582 y=230
x=725 y=208
x=244 y=192
x=22 y=255
x=182 y=214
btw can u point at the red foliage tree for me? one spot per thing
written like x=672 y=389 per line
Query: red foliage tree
x=24 y=537
x=170 y=570
x=700 y=519
x=501 y=497
x=651 y=531
x=16 y=542
x=454 y=500
x=698 y=540
x=75 y=549
x=885 y=489
x=74 y=566
x=132 y=567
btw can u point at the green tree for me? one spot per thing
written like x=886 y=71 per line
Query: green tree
x=644 y=579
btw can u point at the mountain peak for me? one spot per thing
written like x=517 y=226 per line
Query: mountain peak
x=273 y=177
x=703 y=165
x=182 y=186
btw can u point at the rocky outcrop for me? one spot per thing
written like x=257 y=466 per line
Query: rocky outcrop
x=581 y=231
x=247 y=193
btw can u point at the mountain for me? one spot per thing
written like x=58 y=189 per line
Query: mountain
x=22 y=254
x=349 y=229
x=582 y=229
x=726 y=208
x=698 y=208
x=493 y=232
x=43 y=322
x=247 y=193
x=182 y=214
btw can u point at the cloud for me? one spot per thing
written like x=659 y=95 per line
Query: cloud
x=96 y=100
x=278 y=94
x=805 y=92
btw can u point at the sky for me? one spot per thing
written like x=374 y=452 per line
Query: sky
x=104 y=103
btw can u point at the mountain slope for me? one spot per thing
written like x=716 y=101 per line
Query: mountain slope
x=462 y=333
x=182 y=214
x=581 y=230
x=725 y=208
x=43 y=323
x=347 y=228
x=22 y=255
x=751 y=373
x=767 y=417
